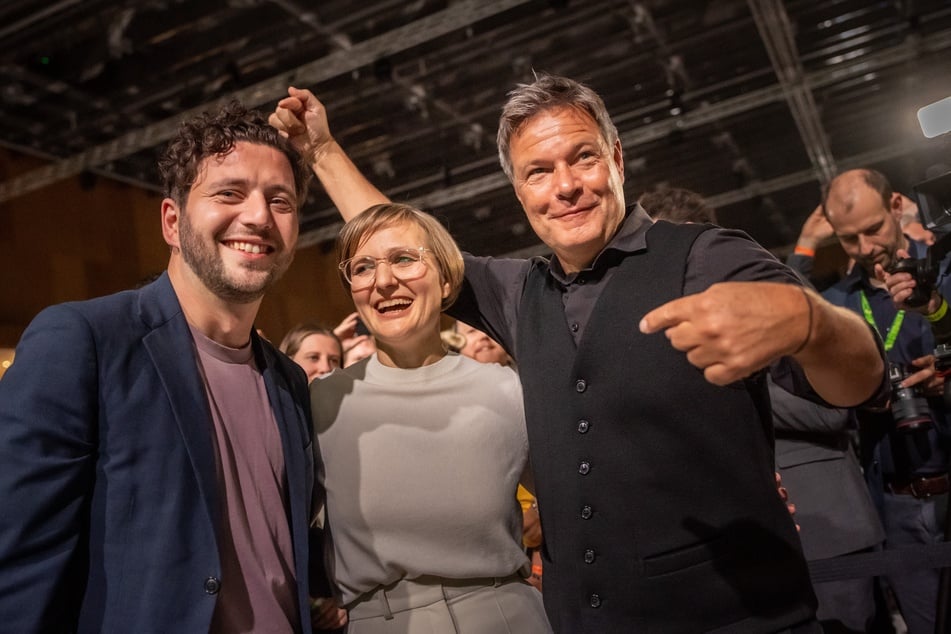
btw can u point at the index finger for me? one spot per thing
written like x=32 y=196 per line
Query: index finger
x=665 y=316
x=917 y=378
x=880 y=273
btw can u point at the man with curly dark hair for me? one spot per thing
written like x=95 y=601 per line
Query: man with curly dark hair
x=161 y=481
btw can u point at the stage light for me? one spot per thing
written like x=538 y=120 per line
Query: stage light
x=935 y=119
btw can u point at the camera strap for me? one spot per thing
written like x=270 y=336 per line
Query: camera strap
x=892 y=334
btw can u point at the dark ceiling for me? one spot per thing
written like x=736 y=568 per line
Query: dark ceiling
x=752 y=103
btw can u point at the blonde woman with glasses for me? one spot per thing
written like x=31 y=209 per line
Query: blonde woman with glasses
x=421 y=450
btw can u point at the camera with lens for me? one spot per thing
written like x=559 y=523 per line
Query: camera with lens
x=925 y=273
x=934 y=201
x=909 y=407
x=934 y=205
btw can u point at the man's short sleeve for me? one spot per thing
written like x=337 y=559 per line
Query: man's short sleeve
x=726 y=255
x=490 y=296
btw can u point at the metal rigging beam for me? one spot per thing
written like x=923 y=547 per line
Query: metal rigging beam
x=458 y=15
x=772 y=22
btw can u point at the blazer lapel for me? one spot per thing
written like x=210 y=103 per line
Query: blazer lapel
x=170 y=345
x=294 y=432
x=294 y=426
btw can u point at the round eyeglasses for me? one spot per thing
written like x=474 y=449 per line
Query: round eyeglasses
x=405 y=264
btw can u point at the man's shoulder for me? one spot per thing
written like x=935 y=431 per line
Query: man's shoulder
x=98 y=312
x=111 y=323
x=155 y=297
x=687 y=228
x=730 y=255
x=515 y=262
x=720 y=243
x=716 y=236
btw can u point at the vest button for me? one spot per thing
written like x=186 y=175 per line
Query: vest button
x=581 y=385
x=594 y=601
x=589 y=556
x=583 y=426
x=574 y=327
x=586 y=512
x=584 y=467
x=212 y=585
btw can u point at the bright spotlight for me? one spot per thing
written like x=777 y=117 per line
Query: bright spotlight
x=935 y=119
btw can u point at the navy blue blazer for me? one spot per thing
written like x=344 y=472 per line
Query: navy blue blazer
x=108 y=490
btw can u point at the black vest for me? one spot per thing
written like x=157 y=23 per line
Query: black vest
x=656 y=488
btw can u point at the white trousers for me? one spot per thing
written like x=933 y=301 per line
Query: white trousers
x=432 y=605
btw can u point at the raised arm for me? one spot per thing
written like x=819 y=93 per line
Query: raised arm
x=736 y=328
x=302 y=118
x=815 y=231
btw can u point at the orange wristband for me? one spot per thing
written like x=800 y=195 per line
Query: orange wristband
x=806 y=251
x=537 y=570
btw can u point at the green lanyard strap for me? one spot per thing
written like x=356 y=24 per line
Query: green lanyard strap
x=892 y=330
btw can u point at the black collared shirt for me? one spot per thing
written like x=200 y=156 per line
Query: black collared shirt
x=718 y=255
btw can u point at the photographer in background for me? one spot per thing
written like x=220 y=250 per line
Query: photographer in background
x=905 y=455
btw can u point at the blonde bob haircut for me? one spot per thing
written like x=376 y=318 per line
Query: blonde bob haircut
x=443 y=248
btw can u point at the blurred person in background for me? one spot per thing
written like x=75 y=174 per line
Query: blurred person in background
x=314 y=348
x=905 y=457
x=481 y=347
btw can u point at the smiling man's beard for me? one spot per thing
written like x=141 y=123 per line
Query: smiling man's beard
x=203 y=258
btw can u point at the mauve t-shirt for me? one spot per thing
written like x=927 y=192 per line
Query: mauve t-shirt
x=258 y=588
